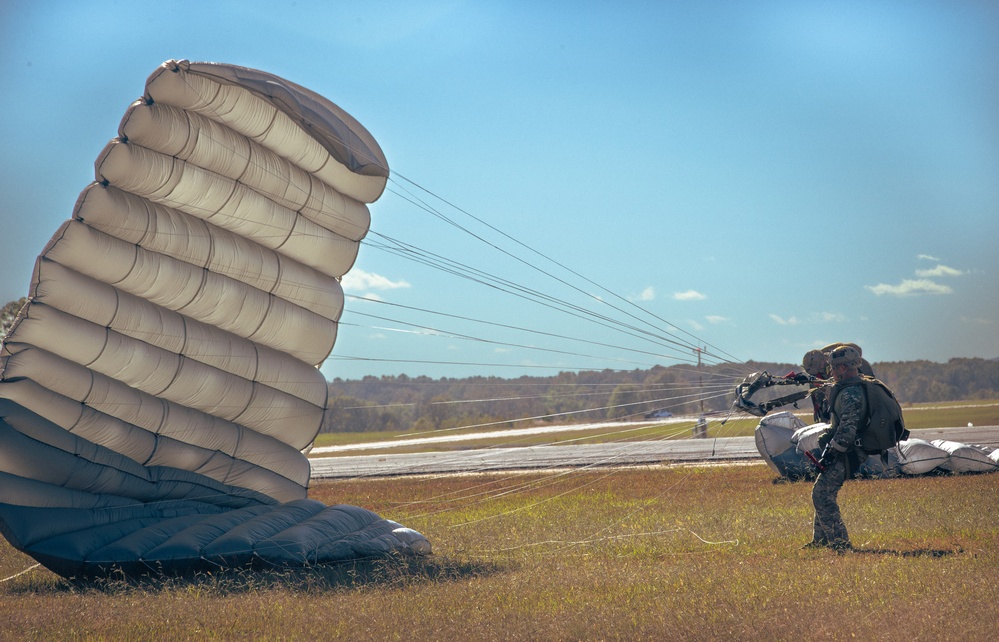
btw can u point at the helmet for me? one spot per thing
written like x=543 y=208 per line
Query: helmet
x=845 y=355
x=815 y=363
x=832 y=346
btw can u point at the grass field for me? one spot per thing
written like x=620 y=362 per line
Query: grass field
x=646 y=553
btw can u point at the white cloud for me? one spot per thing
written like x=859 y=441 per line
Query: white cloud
x=910 y=287
x=811 y=319
x=926 y=257
x=359 y=280
x=648 y=294
x=939 y=270
x=695 y=326
x=714 y=318
x=689 y=295
x=976 y=320
x=827 y=317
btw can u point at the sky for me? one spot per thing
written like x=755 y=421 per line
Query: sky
x=752 y=179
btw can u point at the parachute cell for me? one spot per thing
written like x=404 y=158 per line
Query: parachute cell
x=159 y=389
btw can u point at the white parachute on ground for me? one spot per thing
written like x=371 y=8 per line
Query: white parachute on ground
x=783 y=439
x=161 y=387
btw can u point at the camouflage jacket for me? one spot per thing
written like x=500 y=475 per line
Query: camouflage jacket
x=848 y=412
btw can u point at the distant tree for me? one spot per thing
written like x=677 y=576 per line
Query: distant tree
x=9 y=313
x=425 y=404
x=350 y=414
x=560 y=400
x=438 y=410
x=621 y=400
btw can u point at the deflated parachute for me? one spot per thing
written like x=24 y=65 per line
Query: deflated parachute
x=159 y=389
x=783 y=441
x=791 y=448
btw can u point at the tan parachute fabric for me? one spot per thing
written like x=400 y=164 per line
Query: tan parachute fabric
x=166 y=363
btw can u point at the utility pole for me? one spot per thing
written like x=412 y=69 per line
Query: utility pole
x=701 y=429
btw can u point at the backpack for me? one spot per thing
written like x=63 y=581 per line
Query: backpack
x=885 y=426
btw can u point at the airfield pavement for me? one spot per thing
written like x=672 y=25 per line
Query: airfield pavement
x=674 y=451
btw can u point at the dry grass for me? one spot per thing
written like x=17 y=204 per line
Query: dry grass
x=681 y=553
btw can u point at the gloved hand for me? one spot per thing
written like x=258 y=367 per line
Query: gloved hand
x=829 y=457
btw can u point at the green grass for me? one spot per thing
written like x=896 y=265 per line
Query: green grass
x=951 y=414
x=917 y=416
x=646 y=553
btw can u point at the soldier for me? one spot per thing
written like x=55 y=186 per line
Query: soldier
x=840 y=459
x=865 y=366
x=816 y=363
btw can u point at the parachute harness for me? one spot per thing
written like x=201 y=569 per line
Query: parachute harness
x=760 y=380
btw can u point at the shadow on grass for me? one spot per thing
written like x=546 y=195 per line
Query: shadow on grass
x=919 y=552
x=392 y=572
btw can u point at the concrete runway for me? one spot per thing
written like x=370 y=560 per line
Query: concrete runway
x=674 y=451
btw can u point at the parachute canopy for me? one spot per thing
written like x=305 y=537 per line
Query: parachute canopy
x=159 y=388
x=783 y=441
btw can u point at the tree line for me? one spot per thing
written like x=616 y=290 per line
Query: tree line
x=424 y=404
x=8 y=313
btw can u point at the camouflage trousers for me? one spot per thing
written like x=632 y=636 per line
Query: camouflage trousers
x=828 y=528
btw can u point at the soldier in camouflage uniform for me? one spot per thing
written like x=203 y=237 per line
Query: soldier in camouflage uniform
x=816 y=363
x=865 y=366
x=840 y=459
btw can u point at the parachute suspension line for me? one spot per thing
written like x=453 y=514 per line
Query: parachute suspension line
x=568 y=413
x=515 y=435
x=616 y=455
x=572 y=543
x=658 y=498
x=449 y=221
x=223 y=143
x=535 y=294
x=697 y=340
x=499 y=488
x=538 y=296
x=546 y=300
x=447 y=335
x=546 y=482
x=440 y=332
x=525 y=293
x=613 y=456
x=574 y=395
x=487 y=491
x=563 y=544
x=596 y=537
x=508 y=286
x=30 y=568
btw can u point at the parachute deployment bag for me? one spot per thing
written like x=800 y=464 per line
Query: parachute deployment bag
x=885 y=427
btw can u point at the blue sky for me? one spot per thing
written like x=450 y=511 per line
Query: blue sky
x=763 y=178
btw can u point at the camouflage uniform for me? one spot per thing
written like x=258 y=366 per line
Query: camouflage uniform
x=816 y=364
x=849 y=409
x=819 y=395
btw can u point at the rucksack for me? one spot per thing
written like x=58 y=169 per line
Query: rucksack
x=885 y=426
